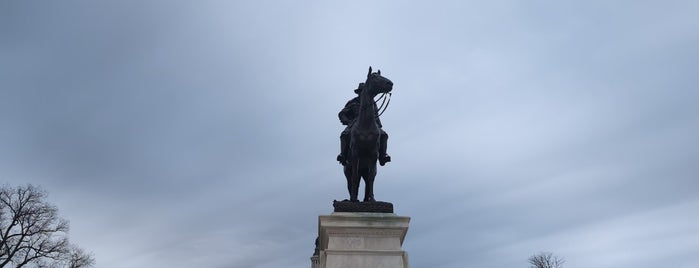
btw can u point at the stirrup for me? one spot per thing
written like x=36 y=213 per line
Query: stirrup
x=341 y=159
x=384 y=159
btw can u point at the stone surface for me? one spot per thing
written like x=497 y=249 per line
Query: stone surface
x=358 y=239
x=376 y=206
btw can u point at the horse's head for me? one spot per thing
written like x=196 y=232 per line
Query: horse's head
x=376 y=83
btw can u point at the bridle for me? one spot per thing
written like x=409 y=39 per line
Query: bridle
x=386 y=101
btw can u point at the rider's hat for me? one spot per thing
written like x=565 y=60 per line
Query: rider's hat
x=359 y=88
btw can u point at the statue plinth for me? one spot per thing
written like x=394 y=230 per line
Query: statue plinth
x=361 y=239
x=374 y=206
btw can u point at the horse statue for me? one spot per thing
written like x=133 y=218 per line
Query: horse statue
x=365 y=138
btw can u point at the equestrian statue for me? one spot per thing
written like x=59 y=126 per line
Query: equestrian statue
x=363 y=142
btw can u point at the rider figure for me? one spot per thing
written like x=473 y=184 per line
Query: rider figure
x=348 y=116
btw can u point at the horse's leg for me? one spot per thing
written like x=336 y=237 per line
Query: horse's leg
x=348 y=175
x=369 y=181
x=354 y=191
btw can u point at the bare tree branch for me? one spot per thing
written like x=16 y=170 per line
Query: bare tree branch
x=31 y=233
x=78 y=259
x=545 y=260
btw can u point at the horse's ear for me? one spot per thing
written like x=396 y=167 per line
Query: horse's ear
x=367 y=75
x=379 y=72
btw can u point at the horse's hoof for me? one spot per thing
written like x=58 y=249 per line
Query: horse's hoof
x=370 y=199
x=354 y=200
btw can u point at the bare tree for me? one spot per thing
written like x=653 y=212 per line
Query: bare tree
x=79 y=259
x=546 y=260
x=32 y=234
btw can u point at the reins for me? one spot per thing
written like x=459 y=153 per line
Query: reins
x=385 y=101
x=383 y=96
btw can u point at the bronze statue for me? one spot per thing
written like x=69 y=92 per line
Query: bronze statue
x=348 y=116
x=363 y=142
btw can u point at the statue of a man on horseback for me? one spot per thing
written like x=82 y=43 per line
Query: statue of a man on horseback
x=348 y=116
x=363 y=142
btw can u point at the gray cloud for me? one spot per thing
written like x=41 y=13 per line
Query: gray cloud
x=169 y=129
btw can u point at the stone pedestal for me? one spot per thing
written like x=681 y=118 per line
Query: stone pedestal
x=362 y=240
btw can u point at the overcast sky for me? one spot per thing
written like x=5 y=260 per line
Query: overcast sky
x=204 y=133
